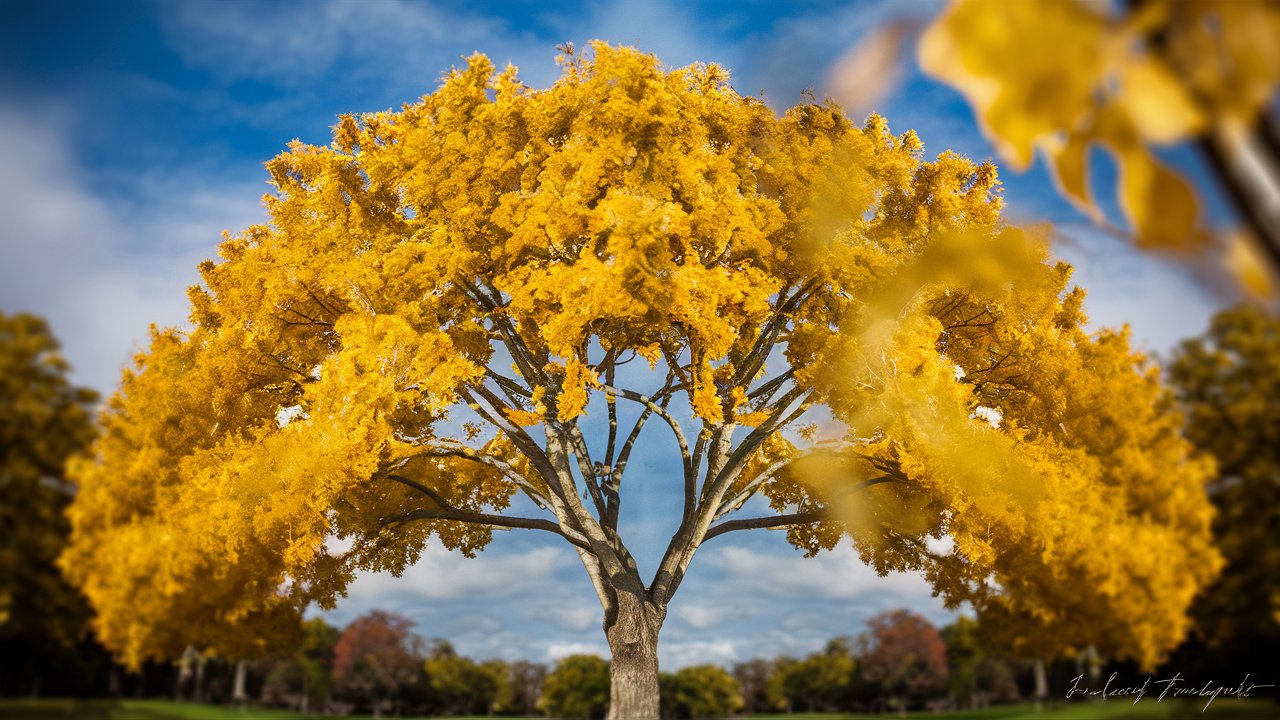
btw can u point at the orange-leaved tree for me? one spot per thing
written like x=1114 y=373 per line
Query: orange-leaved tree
x=444 y=294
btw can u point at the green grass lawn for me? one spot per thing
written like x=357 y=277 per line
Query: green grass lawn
x=11 y=709
x=1147 y=709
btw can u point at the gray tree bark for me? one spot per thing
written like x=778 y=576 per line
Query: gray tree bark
x=633 y=642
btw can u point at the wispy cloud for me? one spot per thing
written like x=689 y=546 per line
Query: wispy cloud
x=295 y=43
x=665 y=28
x=444 y=575
x=101 y=272
x=839 y=575
x=561 y=650
x=678 y=654
x=568 y=615
x=703 y=616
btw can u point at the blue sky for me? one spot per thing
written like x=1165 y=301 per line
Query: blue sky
x=133 y=134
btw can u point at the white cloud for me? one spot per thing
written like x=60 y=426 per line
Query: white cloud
x=101 y=272
x=561 y=650
x=295 y=43
x=443 y=575
x=704 y=616
x=1160 y=301
x=578 y=617
x=797 y=51
x=838 y=574
x=675 y=655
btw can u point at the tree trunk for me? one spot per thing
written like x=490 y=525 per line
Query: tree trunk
x=238 y=695
x=632 y=631
x=1042 y=682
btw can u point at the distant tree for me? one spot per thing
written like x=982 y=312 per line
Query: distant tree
x=43 y=420
x=776 y=695
x=700 y=691
x=578 y=687
x=964 y=653
x=975 y=675
x=304 y=679
x=376 y=656
x=753 y=682
x=524 y=681
x=822 y=681
x=459 y=684
x=906 y=656
x=503 y=700
x=1229 y=383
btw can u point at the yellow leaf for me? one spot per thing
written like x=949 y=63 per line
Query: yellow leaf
x=1159 y=204
x=865 y=74
x=1069 y=167
x=1157 y=101
x=1028 y=68
x=1248 y=266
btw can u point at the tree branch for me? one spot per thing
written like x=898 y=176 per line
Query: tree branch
x=518 y=437
x=447 y=511
x=446 y=448
x=764 y=344
x=661 y=412
x=582 y=455
x=775 y=521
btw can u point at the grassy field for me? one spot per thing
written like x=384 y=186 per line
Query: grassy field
x=1146 y=709
x=145 y=710
x=1112 y=710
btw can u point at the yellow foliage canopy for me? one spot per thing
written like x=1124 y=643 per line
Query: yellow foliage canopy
x=416 y=335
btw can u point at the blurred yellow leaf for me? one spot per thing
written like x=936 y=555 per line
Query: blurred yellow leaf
x=1069 y=167
x=1248 y=266
x=867 y=72
x=1157 y=102
x=1028 y=68
x=1161 y=207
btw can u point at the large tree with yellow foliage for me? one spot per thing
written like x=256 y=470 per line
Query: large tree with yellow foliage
x=444 y=294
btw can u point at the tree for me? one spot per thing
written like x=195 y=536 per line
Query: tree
x=1228 y=380
x=752 y=677
x=460 y=685
x=699 y=691
x=964 y=655
x=578 y=687
x=906 y=656
x=524 y=680
x=374 y=657
x=305 y=679
x=440 y=317
x=823 y=681
x=1066 y=76
x=43 y=420
x=975 y=675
